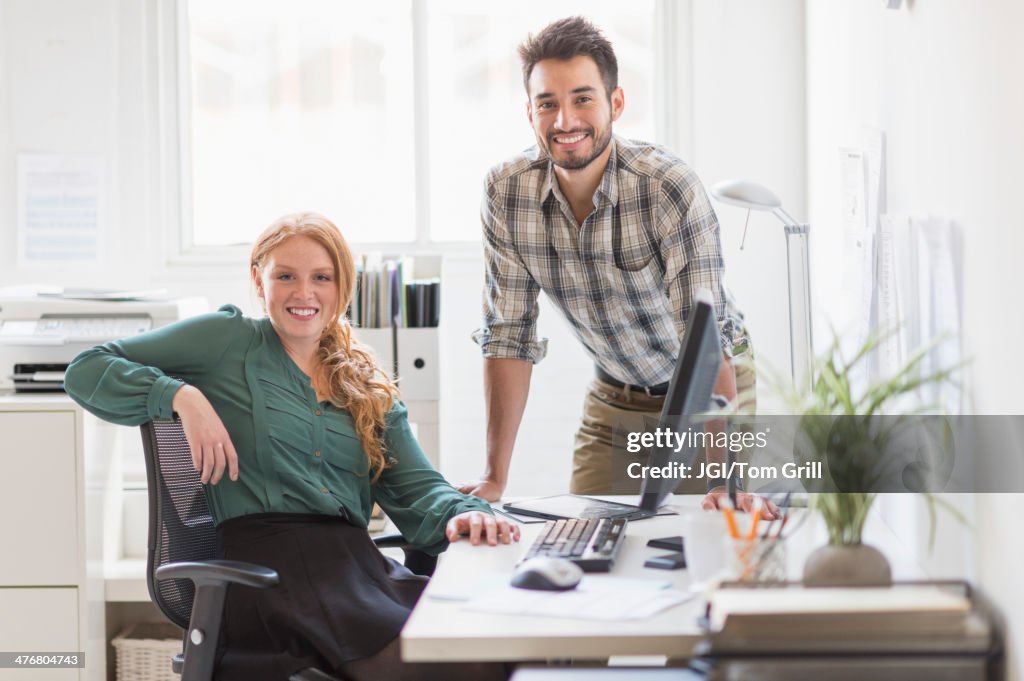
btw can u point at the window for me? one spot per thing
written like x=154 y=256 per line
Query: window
x=383 y=116
x=477 y=104
x=300 y=105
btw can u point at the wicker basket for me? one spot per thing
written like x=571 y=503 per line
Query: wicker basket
x=144 y=652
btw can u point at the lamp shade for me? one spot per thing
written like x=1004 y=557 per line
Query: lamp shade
x=753 y=196
x=745 y=194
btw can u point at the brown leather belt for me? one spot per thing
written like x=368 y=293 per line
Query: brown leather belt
x=652 y=391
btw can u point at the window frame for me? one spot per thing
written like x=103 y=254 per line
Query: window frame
x=672 y=109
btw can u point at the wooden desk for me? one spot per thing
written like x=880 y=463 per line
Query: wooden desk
x=443 y=630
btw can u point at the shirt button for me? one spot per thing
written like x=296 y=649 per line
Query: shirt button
x=317 y=412
x=317 y=453
x=324 y=490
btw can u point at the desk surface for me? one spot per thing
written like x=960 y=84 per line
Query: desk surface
x=443 y=630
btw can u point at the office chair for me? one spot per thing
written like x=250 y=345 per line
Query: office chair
x=185 y=579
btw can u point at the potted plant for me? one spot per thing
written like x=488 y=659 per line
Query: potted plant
x=850 y=426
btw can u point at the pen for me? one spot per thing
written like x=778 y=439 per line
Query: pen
x=782 y=526
x=730 y=519
x=756 y=512
x=731 y=481
x=768 y=529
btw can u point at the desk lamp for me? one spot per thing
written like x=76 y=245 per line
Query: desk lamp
x=753 y=196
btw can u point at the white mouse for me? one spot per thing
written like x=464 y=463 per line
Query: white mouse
x=547 y=574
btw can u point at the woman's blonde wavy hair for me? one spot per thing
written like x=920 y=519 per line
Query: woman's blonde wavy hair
x=346 y=368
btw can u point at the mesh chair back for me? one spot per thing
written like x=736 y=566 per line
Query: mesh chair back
x=181 y=526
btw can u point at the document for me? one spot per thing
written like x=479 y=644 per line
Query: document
x=59 y=209
x=919 y=298
x=498 y=582
x=608 y=599
x=858 y=232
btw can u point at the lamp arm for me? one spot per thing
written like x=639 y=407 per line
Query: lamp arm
x=786 y=218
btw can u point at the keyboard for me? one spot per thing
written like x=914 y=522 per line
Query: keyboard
x=591 y=543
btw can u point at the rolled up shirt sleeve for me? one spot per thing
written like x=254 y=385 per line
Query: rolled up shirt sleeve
x=510 y=293
x=134 y=380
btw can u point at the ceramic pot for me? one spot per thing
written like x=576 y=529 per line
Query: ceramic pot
x=847 y=565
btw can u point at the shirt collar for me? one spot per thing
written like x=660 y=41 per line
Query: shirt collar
x=608 y=187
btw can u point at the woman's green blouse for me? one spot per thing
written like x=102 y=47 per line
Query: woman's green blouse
x=295 y=454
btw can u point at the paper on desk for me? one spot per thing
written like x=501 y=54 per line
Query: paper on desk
x=498 y=582
x=616 y=599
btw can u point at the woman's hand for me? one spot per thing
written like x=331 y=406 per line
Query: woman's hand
x=477 y=524
x=207 y=437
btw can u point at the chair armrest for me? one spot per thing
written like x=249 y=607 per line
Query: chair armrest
x=211 y=579
x=391 y=541
x=419 y=562
x=219 y=572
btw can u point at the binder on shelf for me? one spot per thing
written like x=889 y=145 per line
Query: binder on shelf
x=418 y=364
x=387 y=294
x=382 y=343
x=397 y=314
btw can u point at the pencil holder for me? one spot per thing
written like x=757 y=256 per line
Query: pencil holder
x=756 y=560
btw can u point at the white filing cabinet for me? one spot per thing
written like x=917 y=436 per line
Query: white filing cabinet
x=51 y=586
x=414 y=352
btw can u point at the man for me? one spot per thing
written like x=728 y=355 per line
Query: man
x=619 y=234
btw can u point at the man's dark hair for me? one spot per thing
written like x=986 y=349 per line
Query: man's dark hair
x=568 y=38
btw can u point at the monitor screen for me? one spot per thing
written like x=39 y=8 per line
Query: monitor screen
x=689 y=393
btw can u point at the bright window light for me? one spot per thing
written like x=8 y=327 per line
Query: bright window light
x=315 y=105
x=477 y=101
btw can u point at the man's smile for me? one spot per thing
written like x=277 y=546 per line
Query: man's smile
x=569 y=139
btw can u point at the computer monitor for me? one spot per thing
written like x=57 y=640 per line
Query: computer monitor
x=689 y=393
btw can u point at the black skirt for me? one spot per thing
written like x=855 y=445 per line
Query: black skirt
x=339 y=598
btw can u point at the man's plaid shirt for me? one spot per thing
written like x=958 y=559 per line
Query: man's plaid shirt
x=624 y=279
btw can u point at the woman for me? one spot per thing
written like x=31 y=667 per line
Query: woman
x=309 y=433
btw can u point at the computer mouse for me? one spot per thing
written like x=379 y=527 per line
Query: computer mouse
x=547 y=574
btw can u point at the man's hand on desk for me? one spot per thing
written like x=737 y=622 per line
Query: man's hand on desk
x=744 y=500
x=477 y=525
x=486 y=489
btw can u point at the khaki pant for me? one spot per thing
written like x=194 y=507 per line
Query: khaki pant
x=600 y=458
x=746 y=383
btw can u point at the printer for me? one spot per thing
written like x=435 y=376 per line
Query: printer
x=42 y=331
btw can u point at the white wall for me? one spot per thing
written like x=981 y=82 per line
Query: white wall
x=748 y=123
x=942 y=79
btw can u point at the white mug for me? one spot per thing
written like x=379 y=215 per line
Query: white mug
x=705 y=554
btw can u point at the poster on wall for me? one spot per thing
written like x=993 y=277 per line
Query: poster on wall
x=60 y=210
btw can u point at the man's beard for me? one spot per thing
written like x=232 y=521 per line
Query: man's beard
x=574 y=163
